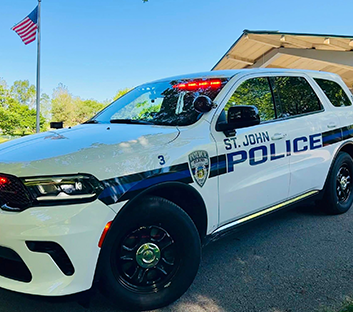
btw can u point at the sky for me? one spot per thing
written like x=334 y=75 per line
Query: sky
x=96 y=48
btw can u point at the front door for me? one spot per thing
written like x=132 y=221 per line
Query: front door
x=253 y=165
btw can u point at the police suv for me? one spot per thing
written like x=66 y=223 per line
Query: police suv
x=128 y=198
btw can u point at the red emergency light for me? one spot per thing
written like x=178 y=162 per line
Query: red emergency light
x=194 y=85
x=3 y=181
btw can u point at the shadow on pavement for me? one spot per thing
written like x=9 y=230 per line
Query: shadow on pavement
x=297 y=260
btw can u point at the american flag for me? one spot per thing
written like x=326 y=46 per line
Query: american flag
x=27 y=28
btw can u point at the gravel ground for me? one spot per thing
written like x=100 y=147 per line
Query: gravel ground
x=298 y=260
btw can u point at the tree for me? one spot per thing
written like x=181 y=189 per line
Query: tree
x=86 y=109
x=45 y=108
x=16 y=115
x=62 y=105
x=9 y=120
x=72 y=110
x=24 y=93
x=120 y=93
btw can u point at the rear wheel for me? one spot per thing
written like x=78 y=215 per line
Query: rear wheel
x=338 y=197
x=150 y=256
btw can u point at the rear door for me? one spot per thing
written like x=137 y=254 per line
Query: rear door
x=309 y=126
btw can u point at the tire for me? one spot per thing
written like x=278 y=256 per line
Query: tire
x=338 y=196
x=130 y=274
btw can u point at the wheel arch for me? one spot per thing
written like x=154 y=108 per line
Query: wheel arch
x=346 y=147
x=181 y=194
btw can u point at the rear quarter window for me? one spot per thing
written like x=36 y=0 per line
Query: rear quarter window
x=334 y=92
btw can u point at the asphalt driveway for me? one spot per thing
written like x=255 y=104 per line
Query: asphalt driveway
x=299 y=260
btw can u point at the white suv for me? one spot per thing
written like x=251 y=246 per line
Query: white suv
x=128 y=198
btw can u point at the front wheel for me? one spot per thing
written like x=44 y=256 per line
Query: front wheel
x=150 y=256
x=338 y=197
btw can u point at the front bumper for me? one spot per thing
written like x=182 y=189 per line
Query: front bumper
x=76 y=228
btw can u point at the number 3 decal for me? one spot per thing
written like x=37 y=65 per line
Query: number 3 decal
x=161 y=160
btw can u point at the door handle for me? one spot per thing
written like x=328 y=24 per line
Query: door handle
x=278 y=136
x=332 y=125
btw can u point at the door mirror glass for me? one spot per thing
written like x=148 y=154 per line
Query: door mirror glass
x=239 y=116
x=242 y=116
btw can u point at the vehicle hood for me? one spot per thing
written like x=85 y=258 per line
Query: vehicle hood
x=101 y=150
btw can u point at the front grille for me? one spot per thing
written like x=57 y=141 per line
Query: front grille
x=13 y=194
x=12 y=266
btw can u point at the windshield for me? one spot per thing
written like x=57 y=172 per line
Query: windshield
x=162 y=103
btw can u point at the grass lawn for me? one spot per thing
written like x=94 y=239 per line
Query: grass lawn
x=2 y=140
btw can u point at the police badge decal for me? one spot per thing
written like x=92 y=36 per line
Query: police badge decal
x=199 y=163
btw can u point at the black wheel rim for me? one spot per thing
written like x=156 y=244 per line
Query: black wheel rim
x=146 y=259
x=343 y=184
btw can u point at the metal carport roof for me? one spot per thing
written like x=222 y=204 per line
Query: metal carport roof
x=273 y=49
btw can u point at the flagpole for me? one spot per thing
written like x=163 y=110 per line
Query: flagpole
x=38 y=72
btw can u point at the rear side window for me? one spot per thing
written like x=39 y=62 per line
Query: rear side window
x=294 y=96
x=334 y=92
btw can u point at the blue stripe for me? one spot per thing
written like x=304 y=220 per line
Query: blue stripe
x=116 y=188
x=347 y=132
x=331 y=137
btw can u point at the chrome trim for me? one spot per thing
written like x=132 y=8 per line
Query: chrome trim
x=262 y=212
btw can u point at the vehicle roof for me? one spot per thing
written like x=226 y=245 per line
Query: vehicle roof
x=233 y=72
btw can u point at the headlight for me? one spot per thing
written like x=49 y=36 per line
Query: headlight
x=59 y=189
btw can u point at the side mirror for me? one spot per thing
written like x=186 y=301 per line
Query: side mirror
x=57 y=125
x=240 y=116
x=203 y=104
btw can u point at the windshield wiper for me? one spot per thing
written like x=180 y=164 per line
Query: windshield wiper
x=131 y=121
x=91 y=122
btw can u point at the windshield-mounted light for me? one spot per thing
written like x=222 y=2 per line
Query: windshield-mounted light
x=59 y=189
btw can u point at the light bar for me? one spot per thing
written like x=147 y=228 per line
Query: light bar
x=203 y=84
x=3 y=181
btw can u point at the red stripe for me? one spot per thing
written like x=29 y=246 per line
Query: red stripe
x=28 y=30
x=27 y=42
x=25 y=37
x=24 y=29
x=22 y=23
x=30 y=39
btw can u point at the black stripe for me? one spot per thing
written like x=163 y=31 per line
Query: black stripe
x=218 y=166
x=214 y=166
x=122 y=188
x=347 y=132
x=332 y=137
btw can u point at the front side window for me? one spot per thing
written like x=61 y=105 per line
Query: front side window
x=168 y=103
x=334 y=92
x=294 y=96
x=256 y=92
